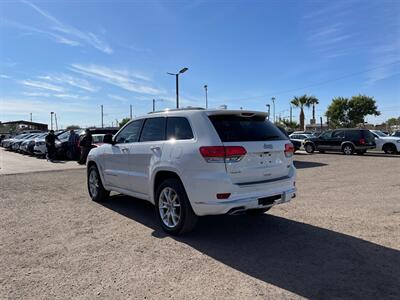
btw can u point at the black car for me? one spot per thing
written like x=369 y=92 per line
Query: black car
x=345 y=140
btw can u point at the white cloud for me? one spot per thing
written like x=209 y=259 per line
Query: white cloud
x=4 y=76
x=70 y=80
x=118 y=98
x=42 y=85
x=123 y=79
x=71 y=32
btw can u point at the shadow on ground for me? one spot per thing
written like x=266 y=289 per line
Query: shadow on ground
x=307 y=164
x=309 y=261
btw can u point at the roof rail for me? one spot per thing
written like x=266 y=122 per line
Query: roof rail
x=177 y=109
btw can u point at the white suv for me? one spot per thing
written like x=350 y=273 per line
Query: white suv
x=196 y=162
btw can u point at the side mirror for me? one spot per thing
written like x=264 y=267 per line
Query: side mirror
x=108 y=139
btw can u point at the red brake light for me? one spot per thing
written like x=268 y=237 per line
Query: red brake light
x=362 y=141
x=289 y=150
x=222 y=154
x=212 y=151
x=235 y=151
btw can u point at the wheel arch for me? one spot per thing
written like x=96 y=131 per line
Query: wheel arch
x=161 y=175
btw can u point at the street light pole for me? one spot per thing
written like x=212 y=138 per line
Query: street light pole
x=206 y=89
x=269 y=110
x=177 y=83
x=154 y=105
x=51 y=120
x=273 y=107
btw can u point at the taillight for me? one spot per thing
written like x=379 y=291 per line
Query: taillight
x=289 y=150
x=362 y=141
x=222 y=153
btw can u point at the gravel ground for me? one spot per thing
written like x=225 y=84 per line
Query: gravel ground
x=338 y=239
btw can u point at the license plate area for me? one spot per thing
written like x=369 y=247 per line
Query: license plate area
x=268 y=200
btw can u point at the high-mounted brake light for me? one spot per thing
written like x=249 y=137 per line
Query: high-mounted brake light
x=222 y=153
x=289 y=150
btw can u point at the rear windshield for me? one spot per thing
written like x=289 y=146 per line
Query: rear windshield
x=234 y=128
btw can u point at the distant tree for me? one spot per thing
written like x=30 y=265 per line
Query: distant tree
x=337 y=112
x=343 y=112
x=301 y=102
x=393 y=121
x=313 y=101
x=72 y=127
x=124 y=121
x=361 y=106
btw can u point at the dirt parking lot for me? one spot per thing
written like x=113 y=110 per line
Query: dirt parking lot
x=339 y=239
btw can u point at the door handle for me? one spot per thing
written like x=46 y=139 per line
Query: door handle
x=124 y=149
x=155 y=148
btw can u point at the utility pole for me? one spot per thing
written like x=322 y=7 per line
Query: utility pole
x=273 y=107
x=205 y=88
x=51 y=120
x=269 y=110
x=55 y=118
x=30 y=116
x=154 y=105
x=102 y=116
x=130 y=111
x=290 y=114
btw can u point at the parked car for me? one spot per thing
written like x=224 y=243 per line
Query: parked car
x=27 y=145
x=396 y=133
x=39 y=148
x=62 y=149
x=298 y=139
x=345 y=140
x=7 y=143
x=388 y=144
x=196 y=162
x=17 y=142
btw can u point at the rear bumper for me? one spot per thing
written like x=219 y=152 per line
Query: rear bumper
x=204 y=202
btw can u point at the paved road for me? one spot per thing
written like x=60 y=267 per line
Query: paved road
x=339 y=239
x=16 y=163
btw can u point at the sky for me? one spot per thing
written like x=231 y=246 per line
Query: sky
x=70 y=57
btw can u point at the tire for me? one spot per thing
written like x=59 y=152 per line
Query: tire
x=347 y=149
x=258 y=211
x=389 y=149
x=173 y=208
x=96 y=189
x=310 y=148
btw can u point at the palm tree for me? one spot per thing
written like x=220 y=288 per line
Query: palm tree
x=301 y=102
x=313 y=101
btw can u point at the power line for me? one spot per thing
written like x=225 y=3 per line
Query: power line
x=315 y=84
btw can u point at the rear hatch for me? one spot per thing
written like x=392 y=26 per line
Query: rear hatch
x=265 y=159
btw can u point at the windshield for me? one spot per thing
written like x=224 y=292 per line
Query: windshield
x=380 y=133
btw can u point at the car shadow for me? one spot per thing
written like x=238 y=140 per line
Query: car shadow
x=307 y=164
x=310 y=261
x=372 y=154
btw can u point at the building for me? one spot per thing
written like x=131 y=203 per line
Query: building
x=24 y=125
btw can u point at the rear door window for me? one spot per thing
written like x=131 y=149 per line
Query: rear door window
x=353 y=135
x=178 y=128
x=236 y=128
x=338 y=134
x=153 y=130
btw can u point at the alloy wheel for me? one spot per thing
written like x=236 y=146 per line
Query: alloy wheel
x=169 y=207
x=93 y=183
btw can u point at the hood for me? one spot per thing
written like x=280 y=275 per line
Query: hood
x=392 y=138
